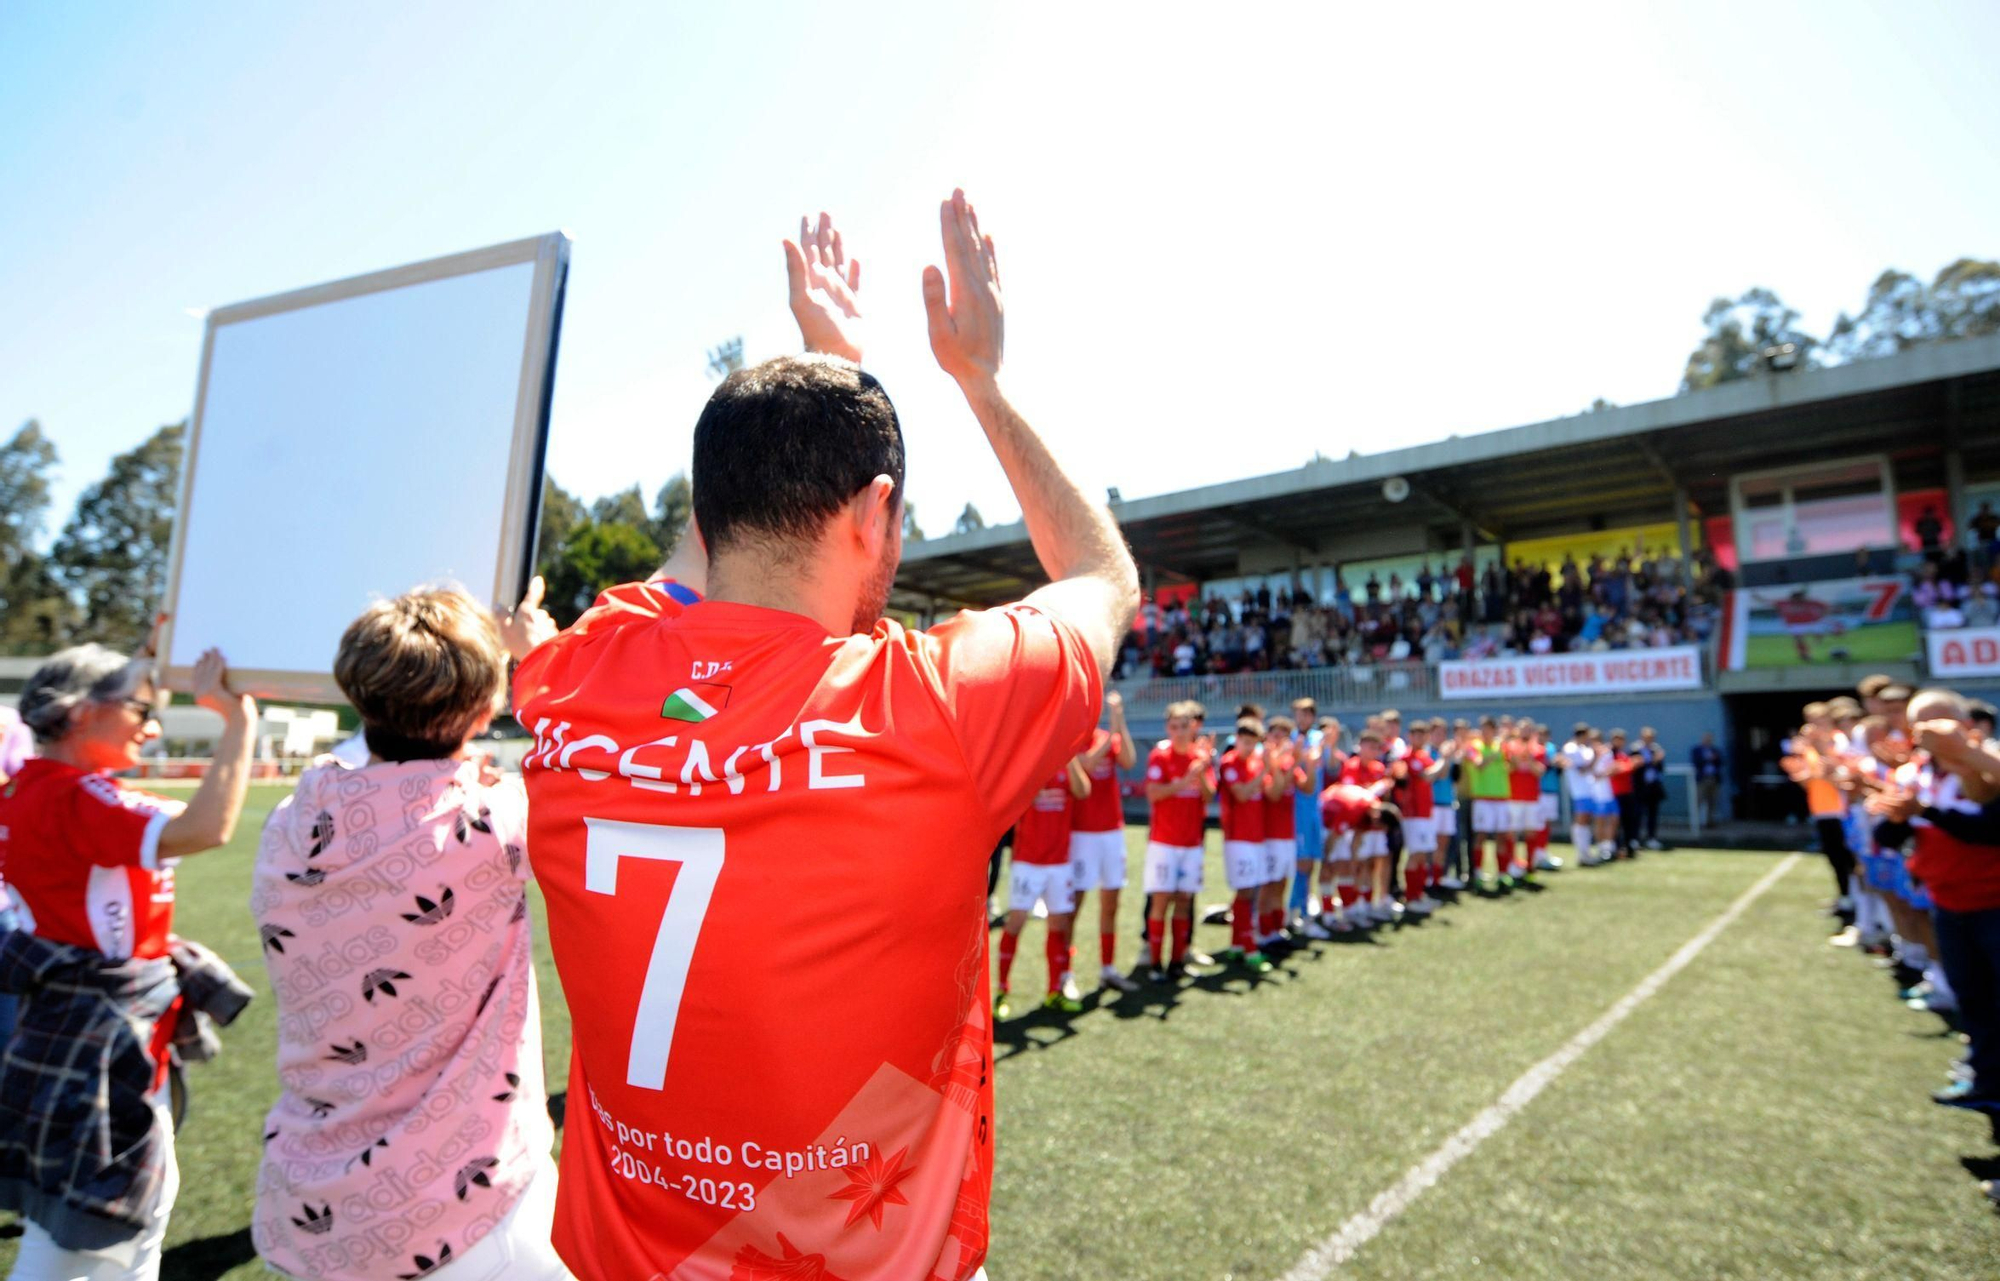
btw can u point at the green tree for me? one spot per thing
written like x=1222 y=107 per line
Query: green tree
x=112 y=555
x=1739 y=332
x=912 y=531
x=561 y=513
x=969 y=520
x=1966 y=296
x=626 y=507
x=673 y=507
x=1897 y=315
x=36 y=615
x=596 y=555
x=25 y=461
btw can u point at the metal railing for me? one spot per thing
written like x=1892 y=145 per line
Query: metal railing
x=1374 y=683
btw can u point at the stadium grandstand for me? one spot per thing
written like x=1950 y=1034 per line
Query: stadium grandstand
x=1702 y=564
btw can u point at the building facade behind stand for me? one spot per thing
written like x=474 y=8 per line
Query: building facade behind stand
x=1834 y=502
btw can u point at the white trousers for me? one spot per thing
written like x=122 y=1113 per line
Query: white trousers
x=137 y=1259
x=517 y=1249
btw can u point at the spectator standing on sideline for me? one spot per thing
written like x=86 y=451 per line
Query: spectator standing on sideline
x=755 y=999
x=1651 y=787
x=86 y=1135
x=1706 y=758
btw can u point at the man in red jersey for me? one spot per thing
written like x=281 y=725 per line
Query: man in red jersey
x=1240 y=774
x=1417 y=802
x=1624 y=767
x=1040 y=874
x=761 y=821
x=1097 y=836
x=1285 y=777
x=1366 y=769
x=1349 y=813
x=1525 y=763
x=1179 y=781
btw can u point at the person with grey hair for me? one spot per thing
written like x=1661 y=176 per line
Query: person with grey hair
x=89 y=862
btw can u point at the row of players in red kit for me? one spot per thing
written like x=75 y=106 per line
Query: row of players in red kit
x=1071 y=840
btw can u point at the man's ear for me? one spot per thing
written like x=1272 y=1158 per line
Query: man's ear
x=873 y=513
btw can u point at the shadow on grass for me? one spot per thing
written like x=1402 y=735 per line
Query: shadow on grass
x=207 y=1257
x=1042 y=1029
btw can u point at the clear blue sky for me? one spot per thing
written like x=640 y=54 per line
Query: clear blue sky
x=1228 y=239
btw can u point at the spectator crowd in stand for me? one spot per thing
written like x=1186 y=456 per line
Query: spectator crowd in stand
x=1958 y=586
x=1625 y=602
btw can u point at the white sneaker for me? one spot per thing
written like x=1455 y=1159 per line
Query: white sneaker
x=1069 y=989
x=1548 y=863
x=1517 y=868
x=1314 y=930
x=1452 y=883
x=1111 y=977
x=1420 y=907
x=1389 y=912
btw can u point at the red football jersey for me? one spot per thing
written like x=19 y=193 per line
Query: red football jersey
x=1359 y=771
x=1524 y=784
x=1623 y=764
x=1177 y=820
x=1344 y=806
x=1281 y=821
x=1041 y=834
x=1241 y=820
x=764 y=850
x=1417 y=797
x=1101 y=811
x=81 y=854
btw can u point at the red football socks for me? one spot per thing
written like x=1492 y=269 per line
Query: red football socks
x=1107 y=947
x=1349 y=895
x=1058 y=949
x=1007 y=944
x=1182 y=928
x=1413 y=882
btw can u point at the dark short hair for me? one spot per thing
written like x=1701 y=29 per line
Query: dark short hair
x=780 y=447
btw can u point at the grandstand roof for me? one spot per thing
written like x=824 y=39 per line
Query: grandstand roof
x=1607 y=469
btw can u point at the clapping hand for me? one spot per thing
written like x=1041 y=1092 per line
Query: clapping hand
x=968 y=323
x=824 y=285
x=1894 y=804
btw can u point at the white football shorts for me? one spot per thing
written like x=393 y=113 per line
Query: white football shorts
x=1420 y=835
x=1489 y=818
x=1279 y=855
x=1047 y=883
x=1172 y=869
x=1243 y=864
x=1097 y=860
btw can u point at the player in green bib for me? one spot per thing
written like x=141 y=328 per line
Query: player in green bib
x=1486 y=762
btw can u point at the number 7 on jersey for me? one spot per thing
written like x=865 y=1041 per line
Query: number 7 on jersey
x=699 y=852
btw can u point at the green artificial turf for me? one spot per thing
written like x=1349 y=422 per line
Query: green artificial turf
x=1763 y=1115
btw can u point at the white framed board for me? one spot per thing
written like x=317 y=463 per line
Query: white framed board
x=356 y=439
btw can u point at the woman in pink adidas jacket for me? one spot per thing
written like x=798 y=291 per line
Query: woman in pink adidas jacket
x=412 y=1135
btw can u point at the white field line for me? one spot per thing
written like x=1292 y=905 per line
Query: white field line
x=1320 y=1261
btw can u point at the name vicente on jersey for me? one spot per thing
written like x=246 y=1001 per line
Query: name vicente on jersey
x=683 y=762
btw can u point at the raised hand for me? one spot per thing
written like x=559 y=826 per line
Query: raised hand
x=967 y=324
x=210 y=687
x=526 y=625
x=825 y=283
